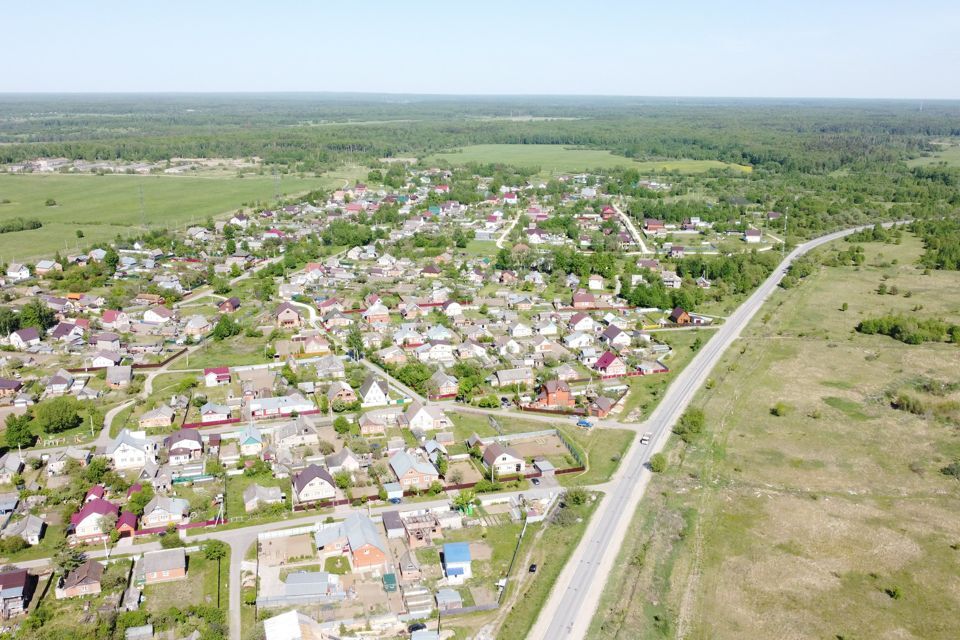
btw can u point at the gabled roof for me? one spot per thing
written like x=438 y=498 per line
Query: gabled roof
x=98 y=507
x=89 y=572
x=401 y=462
x=309 y=474
x=495 y=450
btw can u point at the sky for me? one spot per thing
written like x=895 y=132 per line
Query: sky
x=814 y=48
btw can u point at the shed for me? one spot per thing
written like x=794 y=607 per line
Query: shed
x=394 y=490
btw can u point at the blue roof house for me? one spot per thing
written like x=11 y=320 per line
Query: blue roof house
x=456 y=562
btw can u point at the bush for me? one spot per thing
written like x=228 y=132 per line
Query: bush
x=658 y=463
x=780 y=409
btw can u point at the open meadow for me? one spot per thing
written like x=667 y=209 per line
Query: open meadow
x=554 y=159
x=104 y=206
x=810 y=507
x=948 y=153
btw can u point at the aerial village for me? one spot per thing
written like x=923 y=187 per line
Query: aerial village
x=411 y=378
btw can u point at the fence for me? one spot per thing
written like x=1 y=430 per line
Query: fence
x=188 y=525
x=153 y=365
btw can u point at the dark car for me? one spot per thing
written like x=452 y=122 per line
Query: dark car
x=535 y=481
x=416 y=626
x=533 y=568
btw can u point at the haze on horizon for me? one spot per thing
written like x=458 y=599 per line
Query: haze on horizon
x=818 y=49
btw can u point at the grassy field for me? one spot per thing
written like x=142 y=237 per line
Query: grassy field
x=646 y=391
x=560 y=159
x=103 y=206
x=948 y=153
x=833 y=520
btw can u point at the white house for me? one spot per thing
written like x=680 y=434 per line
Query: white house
x=374 y=392
x=131 y=450
x=425 y=418
x=314 y=483
x=17 y=272
x=503 y=460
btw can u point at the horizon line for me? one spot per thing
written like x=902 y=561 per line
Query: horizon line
x=464 y=95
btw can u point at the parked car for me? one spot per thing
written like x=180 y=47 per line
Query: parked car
x=533 y=568
x=646 y=438
x=583 y=422
x=395 y=501
x=535 y=481
x=416 y=626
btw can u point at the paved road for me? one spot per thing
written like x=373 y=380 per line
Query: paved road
x=576 y=593
x=383 y=374
x=628 y=223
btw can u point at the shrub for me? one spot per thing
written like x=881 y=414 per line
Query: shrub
x=658 y=463
x=780 y=409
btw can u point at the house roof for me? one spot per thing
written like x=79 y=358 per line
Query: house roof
x=401 y=462
x=606 y=360
x=309 y=474
x=97 y=506
x=89 y=572
x=165 y=560
x=177 y=506
x=456 y=552
x=495 y=450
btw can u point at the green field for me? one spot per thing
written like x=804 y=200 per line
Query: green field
x=103 y=206
x=948 y=153
x=831 y=520
x=552 y=158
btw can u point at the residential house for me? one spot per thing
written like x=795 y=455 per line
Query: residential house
x=343 y=460
x=610 y=364
x=16 y=590
x=456 y=562
x=162 y=511
x=229 y=305
x=425 y=418
x=131 y=450
x=555 y=394
x=162 y=416
x=358 y=536
x=330 y=367
x=158 y=315
x=23 y=339
x=212 y=412
x=522 y=376
x=279 y=406
x=184 y=446
x=164 y=566
x=11 y=464
x=256 y=496
x=17 y=272
x=341 y=392
x=313 y=484
x=31 y=528
x=443 y=384
x=374 y=392
x=287 y=316
x=615 y=337
x=87 y=524
x=216 y=376
x=119 y=377
x=504 y=461
x=82 y=581
x=9 y=387
x=250 y=441
x=679 y=316
x=412 y=471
